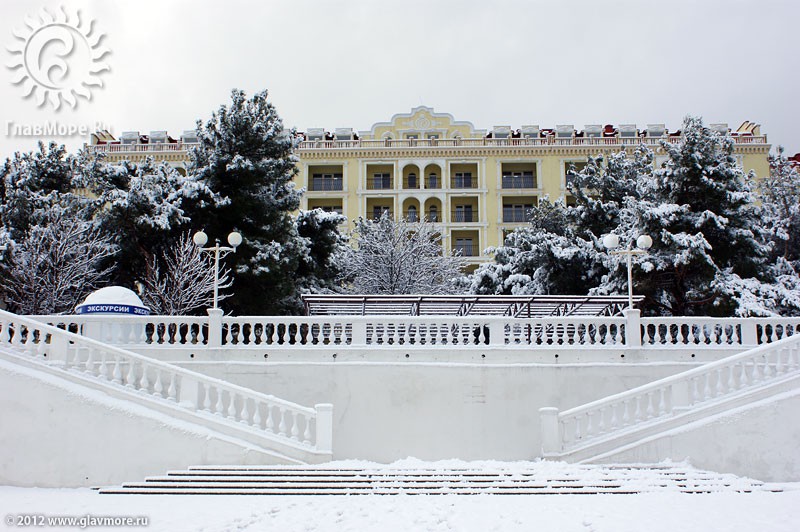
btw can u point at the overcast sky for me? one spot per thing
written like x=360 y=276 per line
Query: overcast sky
x=350 y=64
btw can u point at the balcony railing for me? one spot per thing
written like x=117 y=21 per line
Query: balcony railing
x=433 y=182
x=464 y=182
x=514 y=215
x=141 y=148
x=323 y=184
x=378 y=214
x=379 y=183
x=465 y=250
x=476 y=142
x=424 y=143
x=464 y=216
x=524 y=181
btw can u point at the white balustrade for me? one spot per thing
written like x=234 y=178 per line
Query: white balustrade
x=701 y=330
x=428 y=331
x=523 y=141
x=422 y=331
x=190 y=390
x=671 y=396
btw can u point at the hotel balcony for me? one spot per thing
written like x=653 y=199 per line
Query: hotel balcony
x=463 y=216
x=379 y=182
x=515 y=214
x=325 y=184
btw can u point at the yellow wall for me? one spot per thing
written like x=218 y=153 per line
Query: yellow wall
x=460 y=147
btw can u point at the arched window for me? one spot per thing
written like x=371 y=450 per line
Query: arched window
x=412 y=213
x=412 y=180
x=433 y=214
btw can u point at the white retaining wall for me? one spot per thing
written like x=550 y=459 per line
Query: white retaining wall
x=758 y=440
x=388 y=411
x=58 y=434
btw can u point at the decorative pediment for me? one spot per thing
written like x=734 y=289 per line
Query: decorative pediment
x=422 y=122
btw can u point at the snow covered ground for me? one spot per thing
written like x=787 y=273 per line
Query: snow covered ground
x=654 y=512
x=651 y=512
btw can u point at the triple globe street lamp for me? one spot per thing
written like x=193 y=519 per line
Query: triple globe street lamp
x=643 y=243
x=201 y=239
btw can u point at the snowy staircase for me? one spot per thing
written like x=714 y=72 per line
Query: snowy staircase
x=286 y=431
x=517 y=479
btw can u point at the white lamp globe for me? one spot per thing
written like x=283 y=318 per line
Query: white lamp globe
x=234 y=239
x=200 y=238
x=611 y=241
x=644 y=242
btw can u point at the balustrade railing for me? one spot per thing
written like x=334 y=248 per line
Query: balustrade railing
x=291 y=331
x=669 y=397
x=422 y=331
x=141 y=148
x=423 y=143
x=269 y=416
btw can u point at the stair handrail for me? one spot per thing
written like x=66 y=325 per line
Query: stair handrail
x=270 y=416
x=667 y=397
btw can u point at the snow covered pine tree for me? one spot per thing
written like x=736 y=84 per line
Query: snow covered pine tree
x=246 y=159
x=711 y=246
x=54 y=250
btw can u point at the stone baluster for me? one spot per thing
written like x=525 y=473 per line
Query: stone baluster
x=257 y=414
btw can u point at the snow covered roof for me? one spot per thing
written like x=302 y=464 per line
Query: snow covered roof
x=113 y=300
x=466 y=305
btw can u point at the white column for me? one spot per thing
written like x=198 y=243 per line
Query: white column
x=324 y=427
x=214 y=327
x=633 y=327
x=551 y=437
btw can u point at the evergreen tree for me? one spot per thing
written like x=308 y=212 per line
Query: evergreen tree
x=706 y=225
x=711 y=247
x=780 y=195
x=142 y=207
x=32 y=183
x=544 y=257
x=54 y=251
x=245 y=158
x=320 y=265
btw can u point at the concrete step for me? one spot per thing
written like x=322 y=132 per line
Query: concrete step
x=532 y=480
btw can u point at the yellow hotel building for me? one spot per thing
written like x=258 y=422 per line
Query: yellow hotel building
x=475 y=184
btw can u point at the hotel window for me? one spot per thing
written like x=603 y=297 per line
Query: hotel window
x=433 y=181
x=381 y=181
x=572 y=166
x=516 y=212
x=433 y=214
x=518 y=179
x=464 y=247
x=378 y=211
x=412 y=214
x=324 y=182
x=463 y=180
x=463 y=213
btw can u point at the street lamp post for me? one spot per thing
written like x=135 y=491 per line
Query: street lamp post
x=643 y=243
x=200 y=239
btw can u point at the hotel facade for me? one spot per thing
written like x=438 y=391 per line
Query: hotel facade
x=476 y=184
